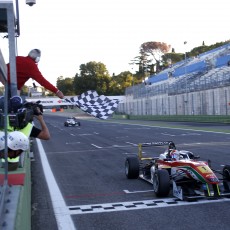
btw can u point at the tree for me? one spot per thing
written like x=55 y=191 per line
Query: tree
x=2 y=89
x=172 y=58
x=24 y=91
x=65 y=85
x=120 y=82
x=154 y=50
x=153 y=58
x=93 y=76
x=144 y=67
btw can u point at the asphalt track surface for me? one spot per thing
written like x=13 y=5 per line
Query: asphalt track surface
x=87 y=163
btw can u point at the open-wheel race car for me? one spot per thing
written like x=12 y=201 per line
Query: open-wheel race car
x=71 y=121
x=180 y=172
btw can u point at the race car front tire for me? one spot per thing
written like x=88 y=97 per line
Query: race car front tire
x=226 y=178
x=132 y=167
x=161 y=183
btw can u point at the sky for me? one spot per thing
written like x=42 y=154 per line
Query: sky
x=74 y=32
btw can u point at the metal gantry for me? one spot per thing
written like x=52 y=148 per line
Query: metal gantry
x=8 y=24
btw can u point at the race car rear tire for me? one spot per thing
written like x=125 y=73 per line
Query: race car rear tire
x=161 y=183
x=226 y=178
x=132 y=167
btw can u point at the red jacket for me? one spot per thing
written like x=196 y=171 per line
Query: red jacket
x=27 y=68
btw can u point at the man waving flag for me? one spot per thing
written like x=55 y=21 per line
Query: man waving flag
x=98 y=106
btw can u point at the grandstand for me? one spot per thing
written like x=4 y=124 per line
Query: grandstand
x=188 y=79
x=208 y=70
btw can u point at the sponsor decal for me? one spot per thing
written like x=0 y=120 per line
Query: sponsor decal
x=61 y=101
x=177 y=191
x=204 y=169
x=47 y=102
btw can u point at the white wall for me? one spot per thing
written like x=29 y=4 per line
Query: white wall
x=208 y=102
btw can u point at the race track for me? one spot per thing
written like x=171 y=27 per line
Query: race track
x=88 y=186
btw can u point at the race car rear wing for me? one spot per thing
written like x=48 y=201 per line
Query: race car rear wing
x=170 y=145
x=156 y=143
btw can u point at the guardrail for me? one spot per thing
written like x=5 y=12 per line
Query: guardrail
x=16 y=205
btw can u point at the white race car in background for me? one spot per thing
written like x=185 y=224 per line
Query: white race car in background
x=71 y=121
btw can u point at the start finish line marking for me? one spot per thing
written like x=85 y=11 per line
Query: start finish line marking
x=135 y=205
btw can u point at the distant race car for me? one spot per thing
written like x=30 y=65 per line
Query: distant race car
x=179 y=171
x=71 y=121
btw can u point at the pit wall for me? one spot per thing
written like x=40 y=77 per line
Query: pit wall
x=18 y=206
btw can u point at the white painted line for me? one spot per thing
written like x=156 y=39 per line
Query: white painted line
x=190 y=134
x=127 y=191
x=134 y=153
x=113 y=146
x=198 y=143
x=134 y=144
x=98 y=147
x=167 y=134
x=72 y=143
x=119 y=146
x=61 y=212
x=85 y=134
x=145 y=127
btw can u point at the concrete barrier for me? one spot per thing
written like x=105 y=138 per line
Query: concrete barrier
x=17 y=215
x=183 y=118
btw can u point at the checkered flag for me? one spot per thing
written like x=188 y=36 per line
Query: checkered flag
x=98 y=106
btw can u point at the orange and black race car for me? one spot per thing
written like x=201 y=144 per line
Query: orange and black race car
x=180 y=172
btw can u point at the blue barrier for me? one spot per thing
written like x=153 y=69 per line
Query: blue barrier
x=158 y=78
x=221 y=61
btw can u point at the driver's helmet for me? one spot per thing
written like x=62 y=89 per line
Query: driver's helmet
x=175 y=154
x=171 y=148
x=17 y=140
x=171 y=145
x=2 y=140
